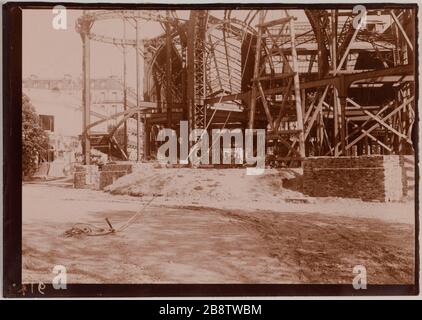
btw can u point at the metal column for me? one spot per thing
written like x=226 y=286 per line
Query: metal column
x=138 y=114
x=84 y=27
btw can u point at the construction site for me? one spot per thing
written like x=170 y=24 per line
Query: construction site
x=335 y=91
x=325 y=87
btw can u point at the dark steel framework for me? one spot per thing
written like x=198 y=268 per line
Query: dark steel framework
x=327 y=86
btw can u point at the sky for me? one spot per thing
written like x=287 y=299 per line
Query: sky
x=43 y=49
x=51 y=53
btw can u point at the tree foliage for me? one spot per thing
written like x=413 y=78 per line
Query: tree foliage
x=34 y=139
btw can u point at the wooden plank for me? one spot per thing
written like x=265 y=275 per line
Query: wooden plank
x=275 y=22
x=276 y=76
x=317 y=111
x=281 y=53
x=230 y=97
x=375 y=139
x=265 y=104
x=296 y=85
x=286 y=97
x=281 y=133
x=360 y=128
x=290 y=158
x=383 y=123
x=396 y=20
x=404 y=104
x=254 y=92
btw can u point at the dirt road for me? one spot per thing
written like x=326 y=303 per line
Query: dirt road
x=186 y=244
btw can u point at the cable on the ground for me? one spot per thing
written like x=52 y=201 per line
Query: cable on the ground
x=89 y=229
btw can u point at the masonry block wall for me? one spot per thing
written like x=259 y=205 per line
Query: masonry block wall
x=382 y=178
x=408 y=176
x=90 y=177
x=86 y=177
x=111 y=172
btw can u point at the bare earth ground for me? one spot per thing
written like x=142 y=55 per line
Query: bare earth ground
x=214 y=226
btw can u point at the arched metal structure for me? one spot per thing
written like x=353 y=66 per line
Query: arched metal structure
x=320 y=85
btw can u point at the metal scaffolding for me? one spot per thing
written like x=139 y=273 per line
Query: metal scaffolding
x=321 y=84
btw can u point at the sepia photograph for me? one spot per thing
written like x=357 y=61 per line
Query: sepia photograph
x=228 y=145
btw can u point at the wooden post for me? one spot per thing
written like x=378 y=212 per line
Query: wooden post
x=254 y=93
x=403 y=32
x=297 y=90
x=334 y=40
x=168 y=72
x=147 y=137
x=336 y=117
x=343 y=125
x=334 y=66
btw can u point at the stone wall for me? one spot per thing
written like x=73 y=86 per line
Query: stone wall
x=369 y=178
x=111 y=172
x=86 y=177
x=90 y=177
x=408 y=176
x=393 y=178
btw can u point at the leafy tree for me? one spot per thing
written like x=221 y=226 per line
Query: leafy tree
x=34 y=139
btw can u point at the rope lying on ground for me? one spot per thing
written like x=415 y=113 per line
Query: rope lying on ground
x=89 y=229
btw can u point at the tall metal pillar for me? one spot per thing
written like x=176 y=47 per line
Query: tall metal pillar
x=125 y=137
x=199 y=107
x=334 y=22
x=138 y=114
x=190 y=81
x=169 y=98
x=83 y=27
